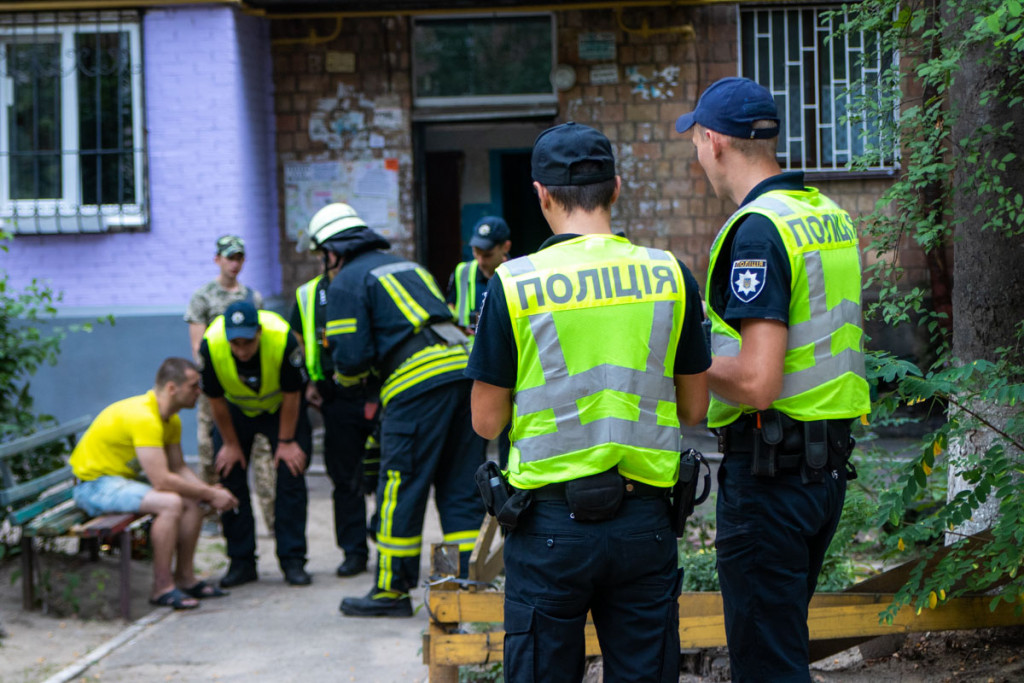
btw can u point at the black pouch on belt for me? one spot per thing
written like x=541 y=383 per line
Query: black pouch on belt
x=684 y=493
x=595 y=498
x=493 y=487
x=768 y=435
x=815 y=451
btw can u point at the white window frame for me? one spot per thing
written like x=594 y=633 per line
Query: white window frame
x=782 y=89
x=485 y=100
x=67 y=214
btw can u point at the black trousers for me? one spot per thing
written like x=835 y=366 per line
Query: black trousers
x=624 y=570
x=345 y=432
x=291 y=499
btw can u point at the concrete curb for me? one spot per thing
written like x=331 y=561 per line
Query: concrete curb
x=77 y=668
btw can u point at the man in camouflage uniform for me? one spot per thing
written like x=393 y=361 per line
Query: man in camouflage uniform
x=208 y=302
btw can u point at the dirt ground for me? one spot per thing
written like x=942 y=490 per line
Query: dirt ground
x=79 y=609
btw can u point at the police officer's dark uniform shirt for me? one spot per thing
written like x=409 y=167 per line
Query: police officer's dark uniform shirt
x=494 y=359
x=756 y=238
x=293 y=370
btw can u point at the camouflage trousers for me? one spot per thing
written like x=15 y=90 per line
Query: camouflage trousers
x=260 y=460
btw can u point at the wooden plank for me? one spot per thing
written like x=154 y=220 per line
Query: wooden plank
x=45 y=436
x=19 y=492
x=701 y=624
x=57 y=524
x=461 y=606
x=40 y=507
x=105 y=525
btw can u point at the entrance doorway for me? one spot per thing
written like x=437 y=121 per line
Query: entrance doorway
x=472 y=170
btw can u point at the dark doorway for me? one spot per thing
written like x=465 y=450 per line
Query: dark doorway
x=444 y=211
x=519 y=204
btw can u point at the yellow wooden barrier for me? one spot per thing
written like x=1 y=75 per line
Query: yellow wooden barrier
x=701 y=625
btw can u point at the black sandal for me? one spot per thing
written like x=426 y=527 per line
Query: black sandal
x=173 y=598
x=205 y=590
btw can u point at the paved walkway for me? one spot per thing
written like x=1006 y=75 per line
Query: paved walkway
x=269 y=631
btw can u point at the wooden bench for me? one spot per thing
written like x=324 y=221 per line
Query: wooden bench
x=43 y=508
x=836 y=621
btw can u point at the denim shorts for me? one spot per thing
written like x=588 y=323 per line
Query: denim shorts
x=110 y=494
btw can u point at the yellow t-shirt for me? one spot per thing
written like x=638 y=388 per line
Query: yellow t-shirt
x=108 y=447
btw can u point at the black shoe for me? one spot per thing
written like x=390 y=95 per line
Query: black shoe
x=296 y=575
x=378 y=603
x=239 y=573
x=353 y=564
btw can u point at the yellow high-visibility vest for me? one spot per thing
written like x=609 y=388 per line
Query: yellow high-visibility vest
x=273 y=339
x=824 y=376
x=597 y=323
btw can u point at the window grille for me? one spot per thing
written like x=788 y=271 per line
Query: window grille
x=71 y=128
x=785 y=50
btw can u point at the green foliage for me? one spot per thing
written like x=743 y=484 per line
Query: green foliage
x=24 y=348
x=935 y=39
x=700 y=569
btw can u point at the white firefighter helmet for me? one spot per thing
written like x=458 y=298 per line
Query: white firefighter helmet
x=331 y=221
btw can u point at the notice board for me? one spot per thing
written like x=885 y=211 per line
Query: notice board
x=370 y=186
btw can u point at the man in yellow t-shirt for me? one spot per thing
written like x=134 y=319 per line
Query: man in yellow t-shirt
x=142 y=435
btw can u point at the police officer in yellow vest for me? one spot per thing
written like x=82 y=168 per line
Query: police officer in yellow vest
x=787 y=377
x=343 y=405
x=253 y=373
x=491 y=242
x=592 y=347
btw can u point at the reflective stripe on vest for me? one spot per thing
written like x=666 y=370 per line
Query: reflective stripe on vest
x=824 y=363
x=306 y=298
x=273 y=338
x=465 y=291
x=581 y=413
x=406 y=303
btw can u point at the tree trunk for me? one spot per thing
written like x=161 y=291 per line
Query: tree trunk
x=988 y=268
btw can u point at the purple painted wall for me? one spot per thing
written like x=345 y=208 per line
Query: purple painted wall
x=210 y=126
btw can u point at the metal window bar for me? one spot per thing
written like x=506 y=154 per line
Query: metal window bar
x=101 y=175
x=811 y=83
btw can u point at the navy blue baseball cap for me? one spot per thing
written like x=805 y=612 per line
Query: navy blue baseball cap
x=730 y=106
x=558 y=150
x=489 y=232
x=241 y=321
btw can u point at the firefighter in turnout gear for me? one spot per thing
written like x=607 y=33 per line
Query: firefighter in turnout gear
x=592 y=347
x=787 y=378
x=343 y=407
x=387 y=314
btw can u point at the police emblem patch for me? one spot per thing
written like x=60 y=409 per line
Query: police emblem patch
x=237 y=317
x=296 y=358
x=748 y=276
x=484 y=230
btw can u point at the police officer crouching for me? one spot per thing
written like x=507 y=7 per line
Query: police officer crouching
x=787 y=377
x=596 y=343
x=253 y=374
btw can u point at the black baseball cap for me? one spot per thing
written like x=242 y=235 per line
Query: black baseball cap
x=731 y=106
x=557 y=151
x=241 y=321
x=489 y=232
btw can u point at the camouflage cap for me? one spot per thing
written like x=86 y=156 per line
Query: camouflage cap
x=229 y=245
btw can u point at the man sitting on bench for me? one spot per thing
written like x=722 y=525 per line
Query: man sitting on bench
x=142 y=435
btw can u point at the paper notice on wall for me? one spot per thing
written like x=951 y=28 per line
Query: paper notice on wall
x=370 y=186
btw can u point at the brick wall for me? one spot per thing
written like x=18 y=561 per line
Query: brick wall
x=666 y=200
x=308 y=84
x=208 y=122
